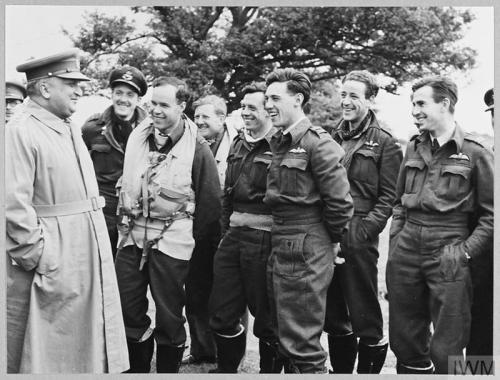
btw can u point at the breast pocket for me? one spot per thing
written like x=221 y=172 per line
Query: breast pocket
x=259 y=170
x=364 y=166
x=101 y=156
x=454 y=182
x=415 y=174
x=294 y=177
x=234 y=162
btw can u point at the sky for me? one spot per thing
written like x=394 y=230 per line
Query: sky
x=41 y=35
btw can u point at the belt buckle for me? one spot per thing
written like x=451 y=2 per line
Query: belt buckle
x=95 y=203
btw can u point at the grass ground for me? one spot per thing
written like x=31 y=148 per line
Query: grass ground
x=250 y=363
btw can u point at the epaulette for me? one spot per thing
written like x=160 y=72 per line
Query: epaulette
x=386 y=131
x=319 y=131
x=482 y=140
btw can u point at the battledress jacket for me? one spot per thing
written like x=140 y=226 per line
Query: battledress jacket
x=105 y=150
x=63 y=305
x=458 y=179
x=372 y=162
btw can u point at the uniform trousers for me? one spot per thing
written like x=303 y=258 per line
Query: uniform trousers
x=240 y=281
x=352 y=302
x=165 y=276
x=425 y=287
x=198 y=287
x=299 y=272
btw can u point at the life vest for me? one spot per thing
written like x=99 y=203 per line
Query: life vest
x=157 y=194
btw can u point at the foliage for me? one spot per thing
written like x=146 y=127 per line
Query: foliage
x=221 y=49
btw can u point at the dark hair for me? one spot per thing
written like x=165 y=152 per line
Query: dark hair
x=365 y=77
x=296 y=82
x=182 y=94
x=442 y=87
x=253 y=87
x=217 y=102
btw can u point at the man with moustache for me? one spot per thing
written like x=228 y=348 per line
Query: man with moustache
x=372 y=162
x=106 y=135
x=442 y=223
x=209 y=115
x=308 y=194
x=63 y=315
x=169 y=197
x=15 y=93
x=241 y=259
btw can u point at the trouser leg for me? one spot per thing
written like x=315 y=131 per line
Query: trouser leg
x=450 y=302
x=198 y=287
x=132 y=285
x=168 y=276
x=448 y=293
x=409 y=317
x=227 y=301
x=342 y=343
x=481 y=332
x=358 y=276
x=302 y=271
x=255 y=251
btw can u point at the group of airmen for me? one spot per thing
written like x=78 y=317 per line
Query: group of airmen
x=280 y=218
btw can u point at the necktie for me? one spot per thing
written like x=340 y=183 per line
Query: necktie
x=434 y=146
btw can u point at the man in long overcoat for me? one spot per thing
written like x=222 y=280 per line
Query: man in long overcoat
x=63 y=305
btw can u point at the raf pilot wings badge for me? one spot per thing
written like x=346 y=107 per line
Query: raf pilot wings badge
x=460 y=156
x=297 y=150
x=371 y=144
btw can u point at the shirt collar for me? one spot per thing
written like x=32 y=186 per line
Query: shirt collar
x=299 y=130
x=443 y=139
x=289 y=129
x=456 y=135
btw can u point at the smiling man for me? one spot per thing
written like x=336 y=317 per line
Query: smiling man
x=209 y=115
x=241 y=259
x=169 y=198
x=372 y=162
x=442 y=223
x=63 y=315
x=106 y=135
x=308 y=194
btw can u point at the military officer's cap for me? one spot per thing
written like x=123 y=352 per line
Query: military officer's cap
x=14 y=90
x=130 y=76
x=64 y=65
x=489 y=99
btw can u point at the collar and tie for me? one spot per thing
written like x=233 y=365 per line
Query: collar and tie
x=434 y=146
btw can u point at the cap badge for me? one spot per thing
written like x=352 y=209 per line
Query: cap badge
x=128 y=76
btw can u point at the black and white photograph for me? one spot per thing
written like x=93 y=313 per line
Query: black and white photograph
x=224 y=189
